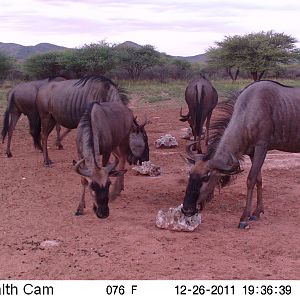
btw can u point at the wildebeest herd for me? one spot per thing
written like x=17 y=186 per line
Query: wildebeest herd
x=264 y=116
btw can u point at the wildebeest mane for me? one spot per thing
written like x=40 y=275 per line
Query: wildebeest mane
x=94 y=78
x=267 y=80
x=218 y=125
x=123 y=95
x=217 y=129
x=85 y=125
x=83 y=81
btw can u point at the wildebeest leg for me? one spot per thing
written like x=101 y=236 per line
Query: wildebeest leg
x=118 y=185
x=257 y=162
x=259 y=206
x=12 y=125
x=81 y=205
x=35 y=130
x=48 y=124
x=207 y=128
x=197 y=137
x=60 y=137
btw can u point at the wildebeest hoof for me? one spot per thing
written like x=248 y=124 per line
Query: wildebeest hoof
x=78 y=213
x=48 y=163
x=8 y=154
x=243 y=225
x=253 y=218
x=60 y=147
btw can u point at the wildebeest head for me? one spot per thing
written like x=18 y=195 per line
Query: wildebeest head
x=138 y=143
x=204 y=177
x=99 y=183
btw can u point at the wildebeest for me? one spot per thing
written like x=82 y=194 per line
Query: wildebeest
x=201 y=98
x=265 y=117
x=22 y=100
x=219 y=121
x=65 y=102
x=106 y=128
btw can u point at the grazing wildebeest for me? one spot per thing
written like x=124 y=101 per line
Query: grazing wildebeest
x=106 y=128
x=201 y=98
x=65 y=102
x=219 y=121
x=266 y=117
x=22 y=100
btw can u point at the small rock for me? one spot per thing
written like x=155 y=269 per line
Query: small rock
x=50 y=243
x=147 y=168
x=174 y=219
x=166 y=141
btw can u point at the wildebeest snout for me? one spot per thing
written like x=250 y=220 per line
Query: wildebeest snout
x=101 y=212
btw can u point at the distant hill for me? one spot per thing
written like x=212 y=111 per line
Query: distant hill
x=130 y=44
x=191 y=59
x=22 y=52
x=194 y=58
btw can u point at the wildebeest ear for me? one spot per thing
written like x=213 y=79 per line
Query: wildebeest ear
x=231 y=172
x=225 y=168
x=116 y=173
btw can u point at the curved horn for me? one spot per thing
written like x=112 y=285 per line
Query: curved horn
x=184 y=117
x=80 y=171
x=189 y=151
x=143 y=124
x=194 y=156
x=112 y=165
x=145 y=121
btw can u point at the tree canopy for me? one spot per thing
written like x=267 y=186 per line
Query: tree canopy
x=136 y=60
x=256 y=53
x=6 y=65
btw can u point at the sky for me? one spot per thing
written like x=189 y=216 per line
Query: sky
x=177 y=27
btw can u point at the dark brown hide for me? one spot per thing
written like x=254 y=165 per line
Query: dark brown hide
x=65 y=102
x=22 y=100
x=265 y=118
x=106 y=128
x=201 y=98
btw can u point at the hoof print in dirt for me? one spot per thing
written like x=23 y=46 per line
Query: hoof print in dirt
x=166 y=141
x=147 y=168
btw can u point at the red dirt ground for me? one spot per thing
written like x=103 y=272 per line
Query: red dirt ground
x=38 y=204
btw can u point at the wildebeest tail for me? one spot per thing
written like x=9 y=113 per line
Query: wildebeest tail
x=35 y=130
x=199 y=111
x=6 y=116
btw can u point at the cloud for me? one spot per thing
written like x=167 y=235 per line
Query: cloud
x=168 y=25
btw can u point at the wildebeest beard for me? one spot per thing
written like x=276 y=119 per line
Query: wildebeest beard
x=144 y=156
x=101 y=208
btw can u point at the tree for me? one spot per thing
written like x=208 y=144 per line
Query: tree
x=225 y=56
x=6 y=65
x=256 y=53
x=183 y=67
x=93 y=59
x=135 y=60
x=44 y=65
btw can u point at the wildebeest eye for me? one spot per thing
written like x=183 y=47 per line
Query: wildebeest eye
x=206 y=177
